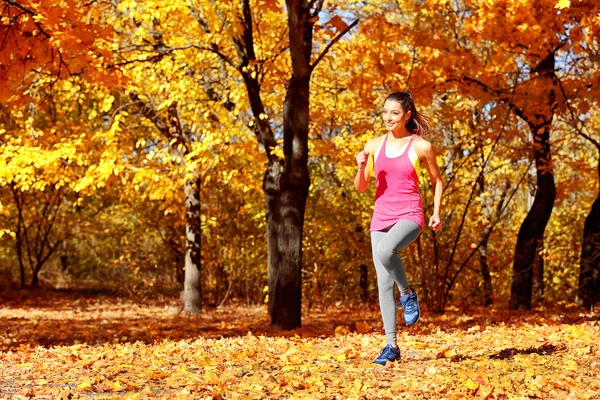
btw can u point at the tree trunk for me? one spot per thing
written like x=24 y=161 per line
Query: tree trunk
x=537 y=283
x=485 y=270
x=34 y=279
x=192 y=290
x=483 y=263
x=364 y=283
x=285 y=219
x=286 y=181
x=531 y=233
x=171 y=128
x=538 y=115
x=285 y=207
x=285 y=212
x=589 y=272
x=538 y=262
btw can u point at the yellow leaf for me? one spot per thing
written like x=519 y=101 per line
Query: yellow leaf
x=85 y=385
x=116 y=386
x=470 y=384
x=571 y=365
x=25 y=365
x=562 y=4
x=107 y=103
x=556 y=280
x=447 y=353
x=450 y=353
x=341 y=357
x=577 y=331
x=340 y=330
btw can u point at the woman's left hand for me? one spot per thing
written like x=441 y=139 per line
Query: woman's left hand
x=435 y=223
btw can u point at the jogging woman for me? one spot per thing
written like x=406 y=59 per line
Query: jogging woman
x=398 y=216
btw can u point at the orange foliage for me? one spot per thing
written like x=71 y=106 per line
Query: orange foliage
x=43 y=41
x=64 y=346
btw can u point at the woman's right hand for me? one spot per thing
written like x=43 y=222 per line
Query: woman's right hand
x=361 y=159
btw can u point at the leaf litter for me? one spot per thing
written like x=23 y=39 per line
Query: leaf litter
x=69 y=347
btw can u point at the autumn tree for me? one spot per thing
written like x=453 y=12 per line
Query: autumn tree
x=507 y=55
x=42 y=43
x=235 y=50
x=53 y=39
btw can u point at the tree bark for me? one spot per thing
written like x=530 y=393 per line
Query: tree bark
x=192 y=288
x=171 y=128
x=538 y=262
x=287 y=218
x=19 y=236
x=286 y=181
x=537 y=283
x=531 y=233
x=589 y=273
x=364 y=283
x=538 y=115
x=483 y=262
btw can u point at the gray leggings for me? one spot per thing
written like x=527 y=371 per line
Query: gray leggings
x=389 y=268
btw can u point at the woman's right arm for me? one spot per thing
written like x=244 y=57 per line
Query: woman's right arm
x=363 y=159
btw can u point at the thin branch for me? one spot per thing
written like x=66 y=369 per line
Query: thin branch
x=485 y=163
x=500 y=94
x=338 y=37
x=412 y=65
x=198 y=17
x=451 y=283
x=213 y=49
x=28 y=11
x=318 y=6
x=575 y=124
x=151 y=114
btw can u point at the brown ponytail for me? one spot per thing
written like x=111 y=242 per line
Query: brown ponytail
x=417 y=124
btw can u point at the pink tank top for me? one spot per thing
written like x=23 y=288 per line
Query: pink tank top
x=397 y=196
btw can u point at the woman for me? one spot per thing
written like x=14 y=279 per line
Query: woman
x=398 y=214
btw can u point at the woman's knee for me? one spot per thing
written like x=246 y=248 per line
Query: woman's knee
x=386 y=255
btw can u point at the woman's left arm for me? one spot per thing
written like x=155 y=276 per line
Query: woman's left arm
x=428 y=157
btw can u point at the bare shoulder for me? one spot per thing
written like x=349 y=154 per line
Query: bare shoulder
x=373 y=144
x=423 y=147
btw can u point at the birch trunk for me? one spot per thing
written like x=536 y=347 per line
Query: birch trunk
x=192 y=288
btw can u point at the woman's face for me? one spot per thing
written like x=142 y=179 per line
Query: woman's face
x=394 y=116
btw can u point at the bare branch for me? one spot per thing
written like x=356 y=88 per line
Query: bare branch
x=338 y=37
x=574 y=120
x=198 y=17
x=28 y=11
x=485 y=237
x=213 y=49
x=318 y=6
x=150 y=113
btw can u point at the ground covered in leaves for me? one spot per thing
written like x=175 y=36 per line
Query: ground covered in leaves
x=71 y=345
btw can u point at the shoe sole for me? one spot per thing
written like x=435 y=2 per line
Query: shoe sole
x=418 y=309
x=384 y=362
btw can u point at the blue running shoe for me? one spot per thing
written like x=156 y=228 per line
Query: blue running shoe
x=410 y=304
x=389 y=353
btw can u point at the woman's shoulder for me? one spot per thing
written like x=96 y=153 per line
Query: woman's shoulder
x=422 y=143
x=373 y=144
